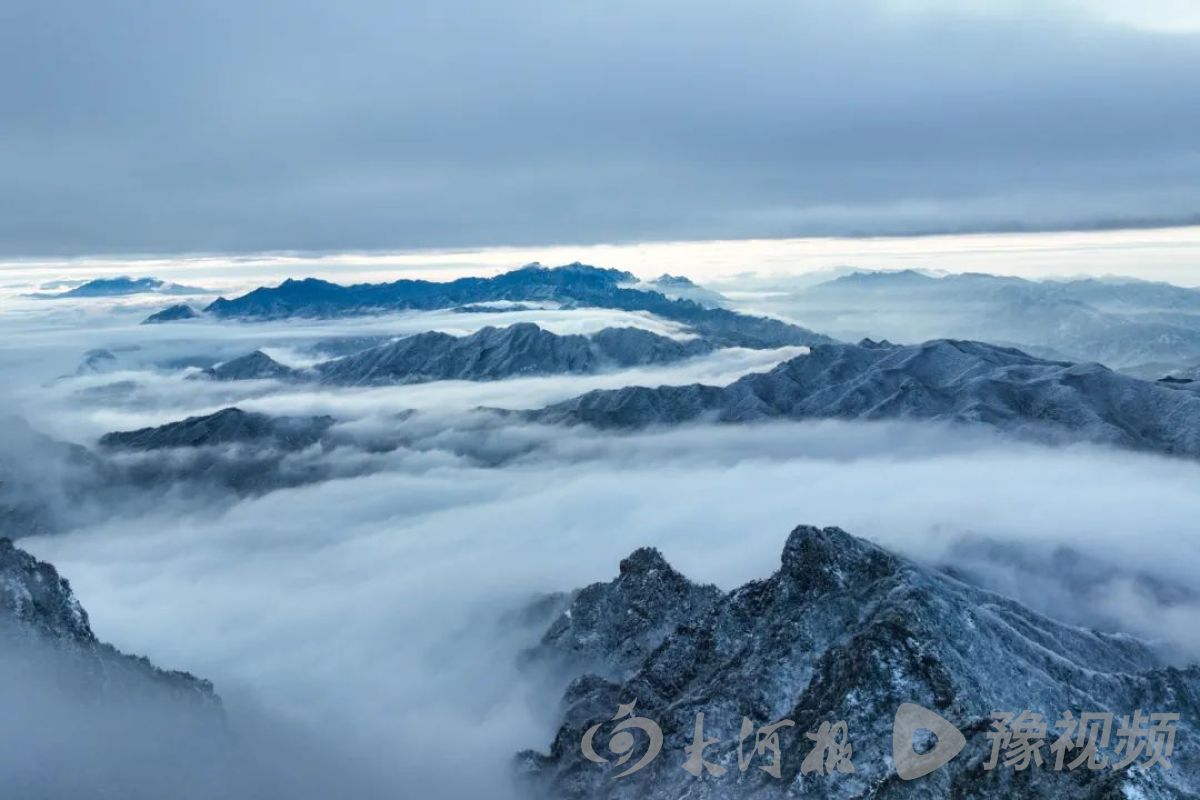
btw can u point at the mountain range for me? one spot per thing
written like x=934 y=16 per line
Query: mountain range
x=488 y=354
x=571 y=286
x=175 y=313
x=842 y=631
x=122 y=286
x=942 y=380
x=1122 y=323
x=227 y=426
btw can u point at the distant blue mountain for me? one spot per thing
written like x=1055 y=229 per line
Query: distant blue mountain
x=571 y=285
x=1147 y=327
x=173 y=313
x=124 y=285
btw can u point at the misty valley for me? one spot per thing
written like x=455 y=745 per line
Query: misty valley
x=599 y=400
x=571 y=532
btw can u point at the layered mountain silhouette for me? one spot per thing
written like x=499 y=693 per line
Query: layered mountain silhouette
x=571 y=285
x=227 y=426
x=842 y=631
x=942 y=380
x=252 y=366
x=175 y=313
x=124 y=285
x=1122 y=323
x=488 y=354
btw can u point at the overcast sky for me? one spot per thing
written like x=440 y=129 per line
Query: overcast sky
x=132 y=126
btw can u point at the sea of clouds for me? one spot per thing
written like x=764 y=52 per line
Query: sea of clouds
x=374 y=616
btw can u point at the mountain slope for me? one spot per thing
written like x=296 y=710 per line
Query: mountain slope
x=122 y=286
x=227 y=426
x=1119 y=323
x=571 y=285
x=488 y=354
x=842 y=631
x=493 y=353
x=943 y=380
x=37 y=604
x=175 y=313
x=252 y=366
x=84 y=720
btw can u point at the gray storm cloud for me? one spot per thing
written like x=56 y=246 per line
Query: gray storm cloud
x=141 y=126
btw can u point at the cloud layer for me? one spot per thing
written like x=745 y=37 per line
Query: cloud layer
x=372 y=616
x=142 y=126
x=370 y=610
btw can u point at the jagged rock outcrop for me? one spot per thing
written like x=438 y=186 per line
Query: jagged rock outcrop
x=175 y=313
x=37 y=607
x=571 y=285
x=494 y=353
x=84 y=720
x=227 y=426
x=843 y=631
x=942 y=380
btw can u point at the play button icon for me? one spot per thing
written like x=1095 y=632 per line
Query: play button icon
x=910 y=719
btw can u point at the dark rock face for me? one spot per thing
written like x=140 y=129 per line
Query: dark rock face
x=842 y=631
x=37 y=606
x=572 y=285
x=175 y=313
x=495 y=353
x=84 y=720
x=943 y=380
x=228 y=426
x=613 y=625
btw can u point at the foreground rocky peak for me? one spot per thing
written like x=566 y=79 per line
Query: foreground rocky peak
x=612 y=626
x=843 y=631
x=826 y=559
x=33 y=595
x=40 y=618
